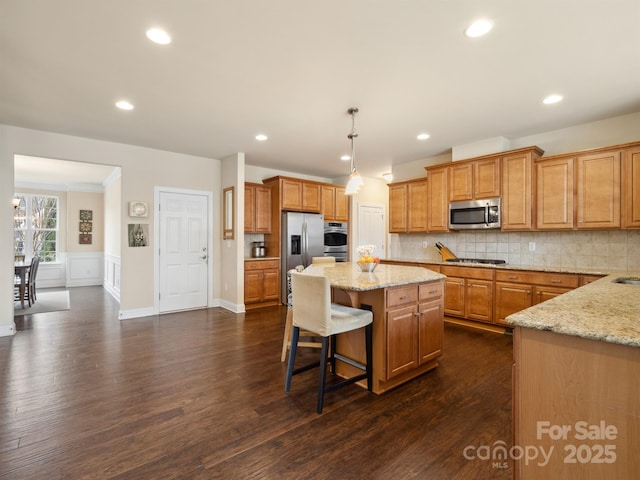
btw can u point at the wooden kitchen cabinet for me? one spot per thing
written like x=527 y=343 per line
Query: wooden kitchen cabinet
x=471 y=180
x=261 y=283
x=517 y=184
x=598 y=190
x=299 y=195
x=517 y=290
x=631 y=187
x=414 y=326
x=257 y=208
x=554 y=194
x=408 y=206
x=335 y=204
x=468 y=292
x=437 y=199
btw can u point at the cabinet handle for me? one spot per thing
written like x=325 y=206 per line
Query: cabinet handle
x=433 y=291
x=512 y=277
x=556 y=281
x=404 y=297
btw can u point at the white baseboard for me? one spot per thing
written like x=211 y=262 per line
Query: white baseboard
x=232 y=307
x=136 y=313
x=8 y=330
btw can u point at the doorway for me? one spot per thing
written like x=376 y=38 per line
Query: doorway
x=183 y=249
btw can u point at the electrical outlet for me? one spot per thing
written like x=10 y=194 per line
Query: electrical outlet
x=425 y=244
x=532 y=246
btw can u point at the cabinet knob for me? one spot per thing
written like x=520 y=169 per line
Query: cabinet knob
x=528 y=292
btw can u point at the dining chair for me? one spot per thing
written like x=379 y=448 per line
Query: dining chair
x=30 y=284
x=314 y=312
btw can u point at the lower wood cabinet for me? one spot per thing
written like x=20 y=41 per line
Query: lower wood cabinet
x=261 y=283
x=468 y=293
x=517 y=290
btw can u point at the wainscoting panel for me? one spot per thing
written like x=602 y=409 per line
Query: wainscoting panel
x=111 y=280
x=84 y=269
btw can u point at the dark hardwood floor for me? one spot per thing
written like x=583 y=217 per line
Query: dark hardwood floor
x=200 y=395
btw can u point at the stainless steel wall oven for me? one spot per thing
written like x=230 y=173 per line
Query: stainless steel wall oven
x=335 y=240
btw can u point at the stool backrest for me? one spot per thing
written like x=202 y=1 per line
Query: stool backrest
x=311 y=303
x=323 y=260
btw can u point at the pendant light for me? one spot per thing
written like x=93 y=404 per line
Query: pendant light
x=355 y=180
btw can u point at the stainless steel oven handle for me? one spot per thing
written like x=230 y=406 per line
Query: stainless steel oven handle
x=486 y=215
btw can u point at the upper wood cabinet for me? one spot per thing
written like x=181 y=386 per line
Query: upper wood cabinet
x=631 y=187
x=554 y=194
x=598 y=190
x=299 y=195
x=257 y=208
x=408 y=206
x=471 y=180
x=335 y=204
x=437 y=199
x=517 y=198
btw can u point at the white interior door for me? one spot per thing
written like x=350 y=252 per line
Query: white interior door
x=371 y=227
x=183 y=255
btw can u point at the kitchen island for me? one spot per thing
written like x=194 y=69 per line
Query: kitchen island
x=407 y=306
x=577 y=384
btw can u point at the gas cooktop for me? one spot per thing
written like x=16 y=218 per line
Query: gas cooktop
x=477 y=260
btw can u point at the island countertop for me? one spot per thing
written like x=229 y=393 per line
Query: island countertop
x=602 y=310
x=348 y=276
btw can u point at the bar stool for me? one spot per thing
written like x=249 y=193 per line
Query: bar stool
x=314 y=312
x=288 y=323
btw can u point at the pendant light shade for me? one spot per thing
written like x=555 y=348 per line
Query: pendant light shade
x=355 y=180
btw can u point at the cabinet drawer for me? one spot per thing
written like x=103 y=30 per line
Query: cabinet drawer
x=428 y=291
x=261 y=264
x=402 y=296
x=479 y=273
x=538 y=278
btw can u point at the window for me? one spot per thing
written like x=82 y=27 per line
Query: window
x=35 y=225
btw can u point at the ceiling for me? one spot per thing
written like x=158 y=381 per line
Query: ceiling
x=291 y=69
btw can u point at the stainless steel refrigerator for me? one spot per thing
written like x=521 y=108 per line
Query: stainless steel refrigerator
x=302 y=239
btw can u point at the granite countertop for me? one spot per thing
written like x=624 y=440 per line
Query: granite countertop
x=348 y=276
x=602 y=310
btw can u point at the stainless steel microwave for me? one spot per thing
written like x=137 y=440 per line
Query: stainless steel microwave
x=474 y=214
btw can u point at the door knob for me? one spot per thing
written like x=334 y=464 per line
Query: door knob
x=204 y=257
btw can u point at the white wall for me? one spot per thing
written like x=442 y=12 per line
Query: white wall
x=142 y=169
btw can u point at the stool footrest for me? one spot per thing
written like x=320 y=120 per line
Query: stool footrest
x=350 y=361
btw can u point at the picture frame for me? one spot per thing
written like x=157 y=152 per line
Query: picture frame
x=138 y=209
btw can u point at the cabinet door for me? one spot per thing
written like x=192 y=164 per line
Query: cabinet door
x=402 y=340
x=291 y=194
x=430 y=331
x=554 y=194
x=543 y=293
x=486 y=178
x=516 y=192
x=249 y=205
x=479 y=300
x=461 y=182
x=631 y=188
x=598 y=202
x=328 y=203
x=253 y=281
x=398 y=208
x=342 y=205
x=417 y=209
x=438 y=200
x=511 y=298
x=262 y=210
x=270 y=285
x=311 y=197
x=454 y=296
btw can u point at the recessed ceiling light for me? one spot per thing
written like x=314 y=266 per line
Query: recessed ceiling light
x=159 y=36
x=124 y=105
x=551 y=99
x=346 y=158
x=478 y=28
x=387 y=176
x=423 y=136
x=261 y=137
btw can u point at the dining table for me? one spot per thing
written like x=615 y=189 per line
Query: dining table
x=21 y=269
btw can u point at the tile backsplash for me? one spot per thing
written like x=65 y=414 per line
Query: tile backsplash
x=616 y=249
